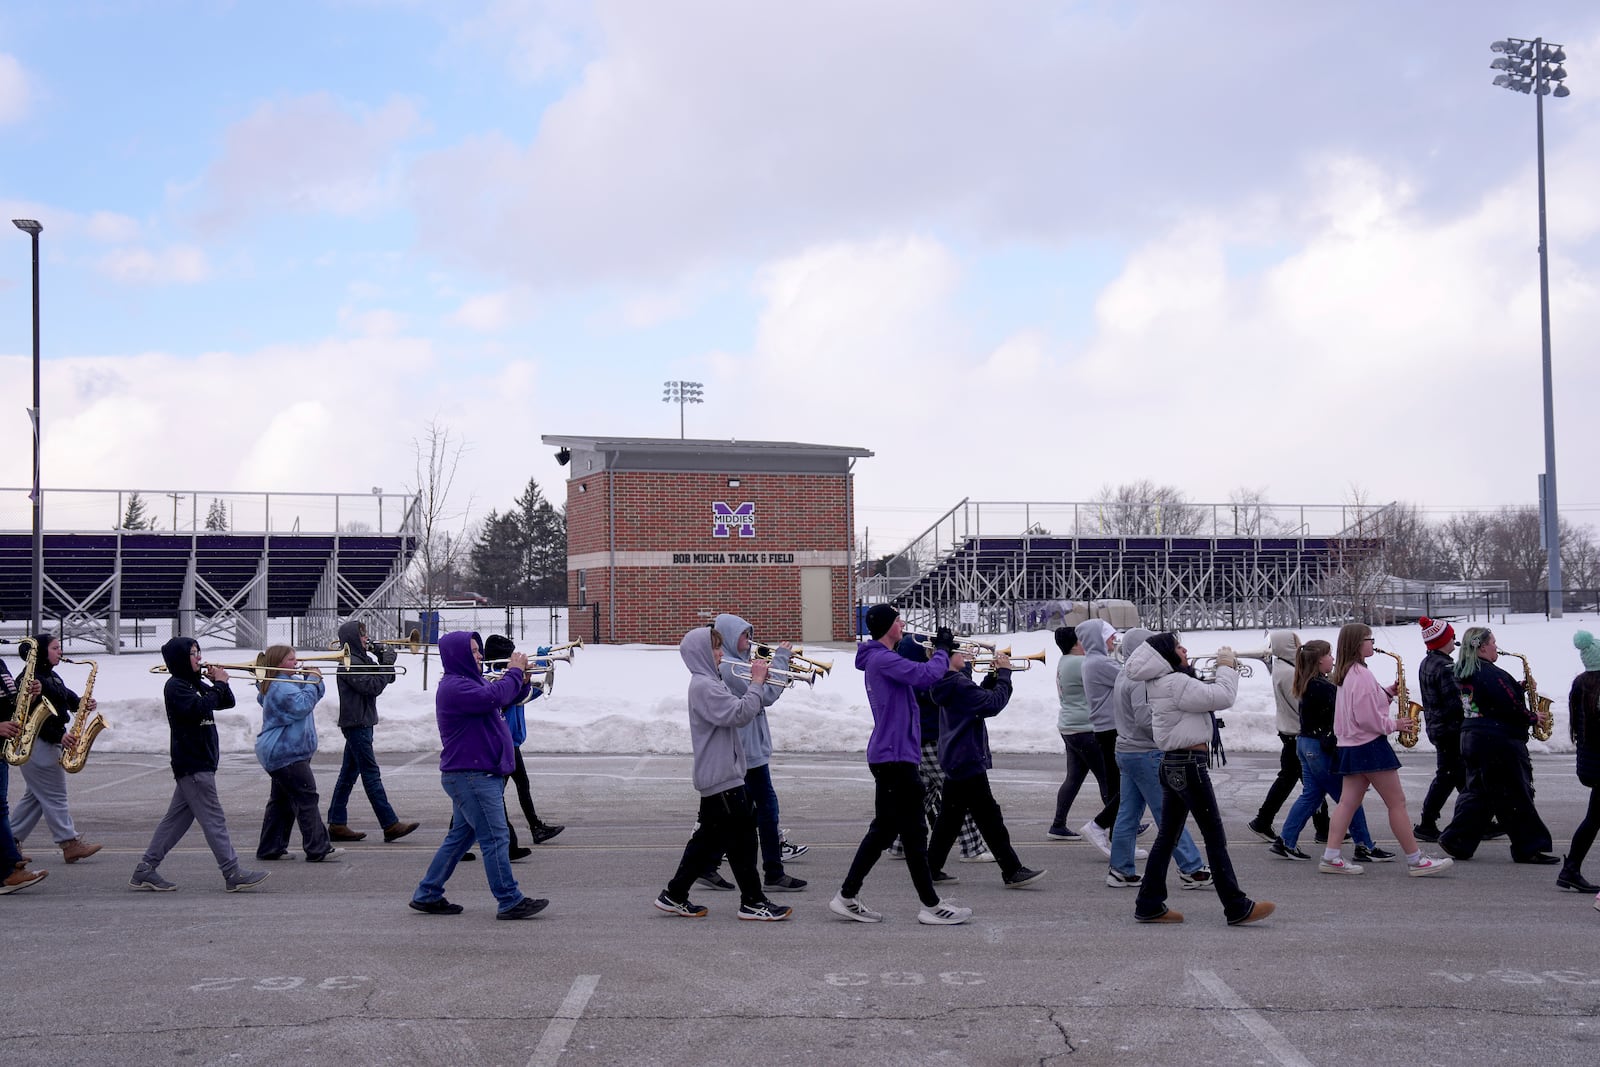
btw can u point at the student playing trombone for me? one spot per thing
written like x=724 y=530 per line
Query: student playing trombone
x=288 y=739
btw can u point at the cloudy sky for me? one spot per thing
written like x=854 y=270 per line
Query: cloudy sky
x=1018 y=250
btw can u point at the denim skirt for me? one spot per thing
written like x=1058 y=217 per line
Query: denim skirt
x=1375 y=755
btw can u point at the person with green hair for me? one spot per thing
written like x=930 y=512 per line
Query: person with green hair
x=1495 y=724
x=1583 y=718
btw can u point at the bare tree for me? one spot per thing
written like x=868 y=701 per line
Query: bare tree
x=1143 y=507
x=1464 y=545
x=1358 y=559
x=1516 y=555
x=1410 y=544
x=441 y=528
x=1580 y=557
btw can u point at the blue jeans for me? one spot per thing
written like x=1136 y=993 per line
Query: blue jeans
x=478 y=812
x=1141 y=788
x=1318 y=779
x=359 y=761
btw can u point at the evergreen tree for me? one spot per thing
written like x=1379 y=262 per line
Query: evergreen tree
x=494 y=561
x=217 y=515
x=544 y=547
x=137 y=516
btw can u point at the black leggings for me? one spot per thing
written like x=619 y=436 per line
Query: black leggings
x=1583 y=836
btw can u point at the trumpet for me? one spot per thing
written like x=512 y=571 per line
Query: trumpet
x=967 y=646
x=1018 y=663
x=781 y=678
x=541 y=687
x=796 y=656
x=1205 y=667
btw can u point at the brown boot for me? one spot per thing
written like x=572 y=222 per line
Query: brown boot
x=21 y=879
x=396 y=831
x=340 y=832
x=77 y=849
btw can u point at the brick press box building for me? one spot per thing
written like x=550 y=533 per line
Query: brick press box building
x=663 y=534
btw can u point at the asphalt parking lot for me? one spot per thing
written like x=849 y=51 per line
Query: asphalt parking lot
x=325 y=964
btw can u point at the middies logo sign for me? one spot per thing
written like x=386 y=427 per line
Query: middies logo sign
x=743 y=516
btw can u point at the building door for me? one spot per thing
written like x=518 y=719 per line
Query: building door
x=816 y=603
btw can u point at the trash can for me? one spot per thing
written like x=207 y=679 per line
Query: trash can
x=427 y=626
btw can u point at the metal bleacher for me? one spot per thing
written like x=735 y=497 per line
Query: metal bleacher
x=214 y=583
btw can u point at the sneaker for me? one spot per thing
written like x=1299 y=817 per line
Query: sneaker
x=1426 y=866
x=22 y=878
x=1024 y=876
x=1263 y=829
x=764 y=912
x=789 y=852
x=1063 y=834
x=1199 y=878
x=1258 y=911
x=243 y=879
x=1097 y=836
x=682 y=908
x=713 y=880
x=1493 y=832
x=944 y=914
x=520 y=853
x=1426 y=831
x=1338 y=866
x=1140 y=853
x=1373 y=855
x=896 y=851
x=545 y=831
x=940 y=878
x=526 y=908
x=272 y=857
x=330 y=856
x=1117 y=880
x=784 y=883
x=852 y=908
x=469 y=857
x=1596 y=899
x=396 y=830
x=1281 y=850
x=340 y=832
x=146 y=878
x=436 y=907
x=1144 y=828
x=1168 y=916
x=979 y=857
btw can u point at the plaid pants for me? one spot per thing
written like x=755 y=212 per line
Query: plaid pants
x=933 y=778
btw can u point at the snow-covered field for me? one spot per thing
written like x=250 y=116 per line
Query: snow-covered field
x=630 y=698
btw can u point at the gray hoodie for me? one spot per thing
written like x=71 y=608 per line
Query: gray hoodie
x=715 y=715
x=1131 y=701
x=1099 y=672
x=755 y=735
x=1283 y=645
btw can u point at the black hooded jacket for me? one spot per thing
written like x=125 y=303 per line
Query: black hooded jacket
x=358 y=690
x=192 y=703
x=51 y=688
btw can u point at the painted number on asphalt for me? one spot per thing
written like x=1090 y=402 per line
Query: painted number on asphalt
x=1511 y=977
x=278 y=983
x=902 y=978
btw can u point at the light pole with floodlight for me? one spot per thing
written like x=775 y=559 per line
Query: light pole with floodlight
x=33 y=229
x=682 y=393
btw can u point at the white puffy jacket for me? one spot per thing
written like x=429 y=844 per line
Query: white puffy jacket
x=1180 y=706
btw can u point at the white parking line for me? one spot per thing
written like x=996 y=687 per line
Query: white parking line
x=563 y=1021
x=1264 y=1031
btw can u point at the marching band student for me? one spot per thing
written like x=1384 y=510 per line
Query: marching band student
x=727 y=816
x=1494 y=749
x=1441 y=711
x=1361 y=723
x=285 y=745
x=1182 y=719
x=498 y=648
x=893 y=751
x=964 y=755
x=1099 y=640
x=193 y=700
x=46 y=792
x=358 y=714
x=1283 y=644
x=1317 y=750
x=14 y=873
x=929 y=770
x=1084 y=755
x=474 y=762
x=1583 y=710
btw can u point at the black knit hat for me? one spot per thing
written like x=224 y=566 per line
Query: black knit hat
x=879 y=618
x=497 y=646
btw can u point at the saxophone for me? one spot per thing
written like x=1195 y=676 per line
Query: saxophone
x=82 y=734
x=1410 y=710
x=1538 y=705
x=31 y=717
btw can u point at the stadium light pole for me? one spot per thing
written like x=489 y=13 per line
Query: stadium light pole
x=682 y=393
x=1534 y=67
x=32 y=228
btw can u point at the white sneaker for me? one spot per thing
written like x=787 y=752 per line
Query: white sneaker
x=1427 y=865
x=1338 y=866
x=1117 y=880
x=944 y=914
x=852 y=908
x=982 y=857
x=1101 y=839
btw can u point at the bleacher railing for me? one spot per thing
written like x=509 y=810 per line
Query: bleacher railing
x=201 y=510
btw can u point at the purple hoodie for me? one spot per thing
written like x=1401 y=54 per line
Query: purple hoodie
x=471 y=729
x=892 y=682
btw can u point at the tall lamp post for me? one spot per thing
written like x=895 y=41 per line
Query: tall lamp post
x=33 y=229
x=682 y=393
x=1534 y=67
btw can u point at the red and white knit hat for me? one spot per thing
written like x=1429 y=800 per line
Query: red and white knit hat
x=1436 y=634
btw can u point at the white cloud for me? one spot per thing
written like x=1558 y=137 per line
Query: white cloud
x=485 y=313
x=307 y=154
x=142 y=266
x=15 y=92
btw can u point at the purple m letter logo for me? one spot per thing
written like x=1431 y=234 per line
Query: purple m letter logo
x=743 y=516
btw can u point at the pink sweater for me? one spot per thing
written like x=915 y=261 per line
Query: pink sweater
x=1361 y=711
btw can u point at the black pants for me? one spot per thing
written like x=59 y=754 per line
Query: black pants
x=1583 y=836
x=1186 y=789
x=1289 y=777
x=1106 y=818
x=519 y=776
x=293 y=799
x=1449 y=775
x=964 y=795
x=727 y=825
x=1086 y=756
x=896 y=811
x=1499 y=785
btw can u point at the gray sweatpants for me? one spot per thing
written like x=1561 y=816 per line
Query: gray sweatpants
x=46 y=795
x=195 y=798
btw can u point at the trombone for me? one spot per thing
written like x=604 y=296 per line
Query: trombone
x=798 y=657
x=780 y=678
x=240 y=672
x=411 y=645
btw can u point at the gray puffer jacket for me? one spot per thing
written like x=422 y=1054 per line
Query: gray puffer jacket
x=1180 y=706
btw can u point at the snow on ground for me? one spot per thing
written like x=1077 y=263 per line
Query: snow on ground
x=630 y=698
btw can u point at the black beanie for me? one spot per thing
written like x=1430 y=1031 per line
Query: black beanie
x=498 y=647
x=879 y=618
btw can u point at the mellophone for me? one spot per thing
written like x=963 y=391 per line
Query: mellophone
x=538 y=663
